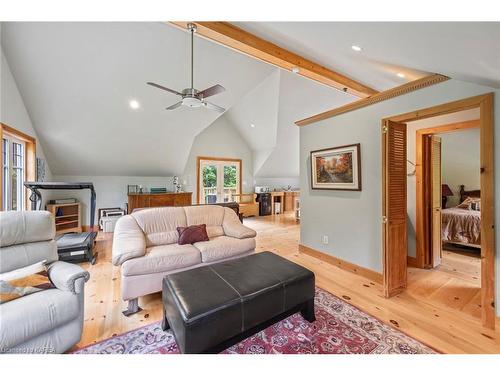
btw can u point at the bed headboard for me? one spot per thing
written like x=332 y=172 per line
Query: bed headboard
x=470 y=193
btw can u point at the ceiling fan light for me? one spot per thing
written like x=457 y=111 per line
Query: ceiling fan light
x=191 y=102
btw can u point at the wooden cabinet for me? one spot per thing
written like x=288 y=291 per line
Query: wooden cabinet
x=67 y=217
x=147 y=200
x=290 y=200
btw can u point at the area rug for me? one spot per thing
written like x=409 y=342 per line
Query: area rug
x=340 y=328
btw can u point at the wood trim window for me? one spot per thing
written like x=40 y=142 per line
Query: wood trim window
x=219 y=192
x=18 y=164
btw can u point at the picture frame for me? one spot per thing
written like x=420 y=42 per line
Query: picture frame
x=132 y=189
x=336 y=168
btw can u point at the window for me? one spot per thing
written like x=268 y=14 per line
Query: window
x=18 y=166
x=13 y=152
x=218 y=179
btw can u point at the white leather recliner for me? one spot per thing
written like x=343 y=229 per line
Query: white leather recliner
x=48 y=321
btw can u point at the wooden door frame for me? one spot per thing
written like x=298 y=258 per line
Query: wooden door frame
x=199 y=159
x=422 y=201
x=486 y=126
x=29 y=160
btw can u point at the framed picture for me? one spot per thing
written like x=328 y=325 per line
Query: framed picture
x=336 y=168
x=132 y=189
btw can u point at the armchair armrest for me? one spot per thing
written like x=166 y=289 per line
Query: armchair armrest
x=128 y=240
x=233 y=227
x=68 y=277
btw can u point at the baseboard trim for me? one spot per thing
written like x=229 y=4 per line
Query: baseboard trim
x=343 y=264
x=412 y=261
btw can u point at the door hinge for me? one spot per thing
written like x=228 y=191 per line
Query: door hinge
x=384 y=219
x=384 y=129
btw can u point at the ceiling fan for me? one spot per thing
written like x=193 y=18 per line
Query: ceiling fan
x=191 y=97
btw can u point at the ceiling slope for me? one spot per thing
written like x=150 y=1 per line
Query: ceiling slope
x=77 y=79
x=463 y=50
x=297 y=97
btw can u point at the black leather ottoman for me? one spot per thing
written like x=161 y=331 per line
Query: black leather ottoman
x=213 y=307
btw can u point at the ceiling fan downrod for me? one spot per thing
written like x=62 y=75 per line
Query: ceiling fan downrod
x=192 y=28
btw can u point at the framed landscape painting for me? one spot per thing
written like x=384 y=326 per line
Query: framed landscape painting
x=337 y=168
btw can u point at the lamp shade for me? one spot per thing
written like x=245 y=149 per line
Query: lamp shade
x=446 y=191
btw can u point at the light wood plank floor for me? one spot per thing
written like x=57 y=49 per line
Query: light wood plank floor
x=440 y=307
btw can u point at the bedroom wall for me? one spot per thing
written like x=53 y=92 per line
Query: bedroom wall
x=467 y=146
x=352 y=220
x=460 y=162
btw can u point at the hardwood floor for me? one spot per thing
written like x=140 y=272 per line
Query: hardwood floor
x=440 y=308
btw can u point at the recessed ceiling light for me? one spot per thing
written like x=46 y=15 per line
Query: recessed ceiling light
x=356 y=48
x=134 y=104
x=401 y=75
x=295 y=69
x=252 y=125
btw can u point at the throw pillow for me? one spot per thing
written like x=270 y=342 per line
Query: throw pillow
x=194 y=233
x=23 y=281
x=471 y=204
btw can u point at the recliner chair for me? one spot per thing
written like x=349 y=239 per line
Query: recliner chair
x=49 y=321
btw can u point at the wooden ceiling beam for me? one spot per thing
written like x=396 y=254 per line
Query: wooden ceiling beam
x=240 y=40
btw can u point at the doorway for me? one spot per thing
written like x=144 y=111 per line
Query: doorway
x=217 y=179
x=394 y=189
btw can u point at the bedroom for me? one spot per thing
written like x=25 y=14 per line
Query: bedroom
x=444 y=158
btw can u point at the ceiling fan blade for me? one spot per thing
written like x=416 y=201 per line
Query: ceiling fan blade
x=217 y=89
x=213 y=107
x=174 y=106
x=164 y=88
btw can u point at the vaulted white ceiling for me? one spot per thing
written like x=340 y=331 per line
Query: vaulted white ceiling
x=76 y=80
x=462 y=50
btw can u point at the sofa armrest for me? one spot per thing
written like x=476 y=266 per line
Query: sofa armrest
x=233 y=227
x=68 y=277
x=128 y=240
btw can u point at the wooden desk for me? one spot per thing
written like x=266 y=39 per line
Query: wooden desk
x=147 y=200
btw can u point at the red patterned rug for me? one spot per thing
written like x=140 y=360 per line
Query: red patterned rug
x=340 y=328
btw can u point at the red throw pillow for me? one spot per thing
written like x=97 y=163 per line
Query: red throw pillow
x=192 y=234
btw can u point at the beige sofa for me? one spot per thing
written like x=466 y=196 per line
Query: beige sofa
x=145 y=245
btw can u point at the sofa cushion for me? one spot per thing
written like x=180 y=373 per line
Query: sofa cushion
x=212 y=216
x=160 y=224
x=192 y=234
x=223 y=247
x=162 y=259
x=35 y=314
x=19 y=227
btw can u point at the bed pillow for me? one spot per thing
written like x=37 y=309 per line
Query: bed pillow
x=23 y=281
x=193 y=233
x=471 y=204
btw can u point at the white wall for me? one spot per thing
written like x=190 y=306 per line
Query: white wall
x=460 y=162
x=14 y=114
x=111 y=191
x=221 y=139
x=353 y=219
x=469 y=147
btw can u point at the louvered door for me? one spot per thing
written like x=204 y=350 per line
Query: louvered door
x=394 y=207
x=436 y=200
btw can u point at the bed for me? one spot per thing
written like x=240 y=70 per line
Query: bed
x=461 y=225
